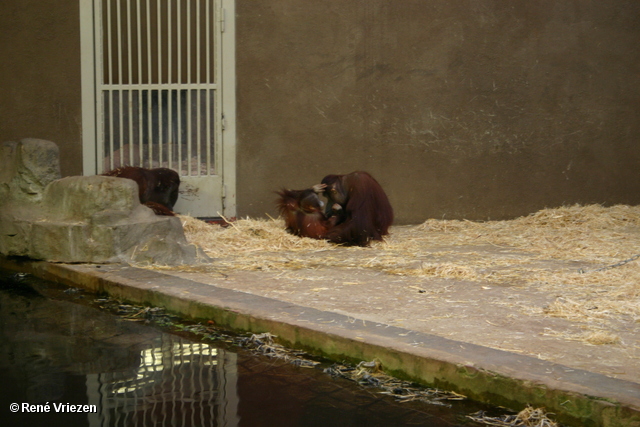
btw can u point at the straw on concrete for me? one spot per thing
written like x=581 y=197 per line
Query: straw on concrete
x=531 y=251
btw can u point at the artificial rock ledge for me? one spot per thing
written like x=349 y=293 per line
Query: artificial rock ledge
x=94 y=219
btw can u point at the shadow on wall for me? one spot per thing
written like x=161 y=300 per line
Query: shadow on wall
x=96 y=219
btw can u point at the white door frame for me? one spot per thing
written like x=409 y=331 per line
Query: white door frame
x=227 y=125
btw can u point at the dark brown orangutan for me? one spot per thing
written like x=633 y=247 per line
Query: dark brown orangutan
x=303 y=214
x=357 y=206
x=157 y=188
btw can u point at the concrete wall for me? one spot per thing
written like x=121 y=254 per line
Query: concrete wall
x=40 y=75
x=461 y=109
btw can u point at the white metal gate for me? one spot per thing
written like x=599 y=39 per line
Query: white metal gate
x=158 y=94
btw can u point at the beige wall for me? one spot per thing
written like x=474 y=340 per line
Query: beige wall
x=461 y=109
x=40 y=75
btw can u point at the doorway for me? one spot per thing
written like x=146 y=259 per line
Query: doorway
x=159 y=91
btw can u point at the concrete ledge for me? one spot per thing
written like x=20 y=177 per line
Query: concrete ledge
x=577 y=397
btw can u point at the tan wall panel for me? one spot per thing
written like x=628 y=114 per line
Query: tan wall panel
x=485 y=109
x=40 y=75
x=475 y=110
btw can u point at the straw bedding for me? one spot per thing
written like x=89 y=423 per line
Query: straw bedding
x=559 y=251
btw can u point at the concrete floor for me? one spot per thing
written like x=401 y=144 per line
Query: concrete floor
x=473 y=338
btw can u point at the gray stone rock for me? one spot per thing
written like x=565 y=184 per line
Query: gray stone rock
x=93 y=219
x=26 y=168
x=81 y=197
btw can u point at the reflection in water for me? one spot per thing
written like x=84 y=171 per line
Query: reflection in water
x=177 y=383
x=133 y=375
x=54 y=352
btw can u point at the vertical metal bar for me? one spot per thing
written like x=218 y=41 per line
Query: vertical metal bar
x=159 y=34
x=108 y=78
x=198 y=45
x=93 y=161
x=189 y=80
x=189 y=130
x=217 y=92
x=208 y=34
x=160 y=107
x=139 y=41
x=188 y=35
x=169 y=137
x=129 y=66
x=109 y=51
x=120 y=91
x=139 y=92
x=198 y=93
x=107 y=93
x=109 y=48
x=211 y=111
x=150 y=80
x=169 y=81
x=179 y=62
x=130 y=82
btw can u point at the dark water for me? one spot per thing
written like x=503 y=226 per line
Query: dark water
x=61 y=355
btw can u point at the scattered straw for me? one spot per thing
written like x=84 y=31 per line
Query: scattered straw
x=597 y=337
x=370 y=374
x=265 y=345
x=246 y=236
x=528 y=417
x=547 y=250
x=601 y=338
